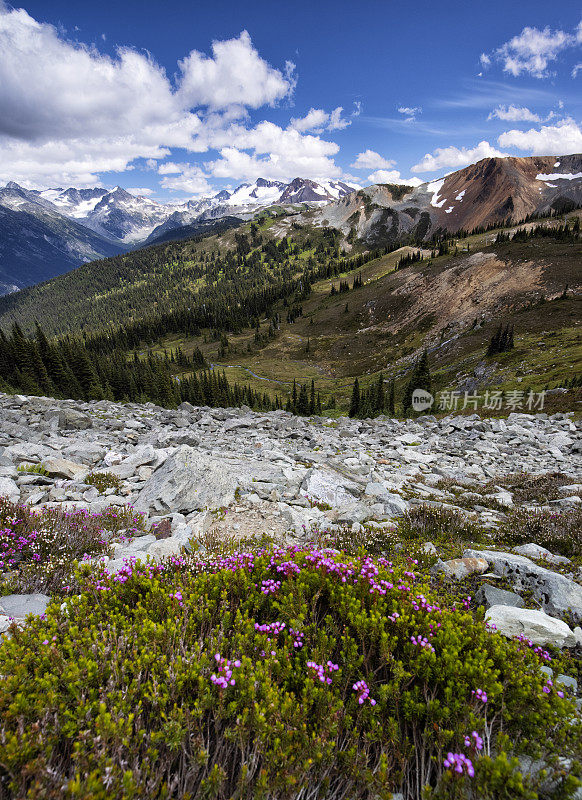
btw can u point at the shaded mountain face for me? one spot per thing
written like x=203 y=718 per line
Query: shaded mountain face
x=39 y=244
x=491 y=191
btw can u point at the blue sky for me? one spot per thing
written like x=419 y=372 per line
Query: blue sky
x=180 y=99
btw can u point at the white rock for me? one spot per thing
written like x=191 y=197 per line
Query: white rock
x=162 y=548
x=535 y=625
x=63 y=468
x=328 y=486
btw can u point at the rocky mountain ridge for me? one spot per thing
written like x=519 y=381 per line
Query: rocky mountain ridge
x=491 y=191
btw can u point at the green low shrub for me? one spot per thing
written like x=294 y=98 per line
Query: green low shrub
x=372 y=540
x=32 y=469
x=559 y=532
x=103 y=481
x=534 y=489
x=274 y=675
x=442 y=526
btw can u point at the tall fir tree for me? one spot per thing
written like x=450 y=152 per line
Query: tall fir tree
x=355 y=401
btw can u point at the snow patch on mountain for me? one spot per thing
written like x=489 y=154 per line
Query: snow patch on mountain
x=434 y=187
x=559 y=176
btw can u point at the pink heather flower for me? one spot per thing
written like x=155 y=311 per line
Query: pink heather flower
x=422 y=641
x=224 y=678
x=321 y=670
x=474 y=741
x=459 y=763
x=480 y=695
x=361 y=687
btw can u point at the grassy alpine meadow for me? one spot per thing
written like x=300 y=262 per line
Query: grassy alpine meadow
x=277 y=673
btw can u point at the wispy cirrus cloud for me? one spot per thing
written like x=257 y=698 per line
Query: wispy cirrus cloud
x=513 y=113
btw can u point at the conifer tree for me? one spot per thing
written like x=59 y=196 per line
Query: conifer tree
x=303 y=401
x=312 y=398
x=355 y=402
x=392 y=398
x=379 y=399
x=420 y=379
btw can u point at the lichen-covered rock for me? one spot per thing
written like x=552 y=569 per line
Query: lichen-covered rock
x=556 y=593
x=460 y=568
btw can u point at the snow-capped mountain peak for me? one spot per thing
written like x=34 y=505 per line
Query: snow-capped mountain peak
x=124 y=218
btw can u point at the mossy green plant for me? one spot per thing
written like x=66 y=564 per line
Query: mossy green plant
x=32 y=469
x=103 y=481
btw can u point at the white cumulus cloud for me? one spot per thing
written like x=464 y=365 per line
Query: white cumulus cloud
x=562 y=138
x=69 y=112
x=532 y=51
x=392 y=176
x=456 y=157
x=317 y=120
x=369 y=159
x=235 y=75
x=278 y=154
x=140 y=191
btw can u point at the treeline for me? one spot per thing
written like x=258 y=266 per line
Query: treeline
x=344 y=285
x=382 y=399
x=180 y=287
x=565 y=232
x=68 y=369
x=305 y=403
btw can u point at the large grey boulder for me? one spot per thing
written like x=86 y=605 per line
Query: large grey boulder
x=330 y=487
x=393 y=503
x=556 y=593
x=535 y=625
x=302 y=520
x=70 y=419
x=163 y=548
x=141 y=456
x=488 y=595
x=9 y=489
x=19 y=606
x=190 y=480
x=533 y=550
x=63 y=468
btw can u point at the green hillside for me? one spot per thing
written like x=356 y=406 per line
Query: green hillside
x=267 y=310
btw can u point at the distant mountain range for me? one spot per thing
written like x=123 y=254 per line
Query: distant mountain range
x=46 y=233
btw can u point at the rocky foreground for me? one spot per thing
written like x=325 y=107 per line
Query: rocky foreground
x=233 y=473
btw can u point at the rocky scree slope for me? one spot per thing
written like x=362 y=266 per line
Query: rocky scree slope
x=235 y=473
